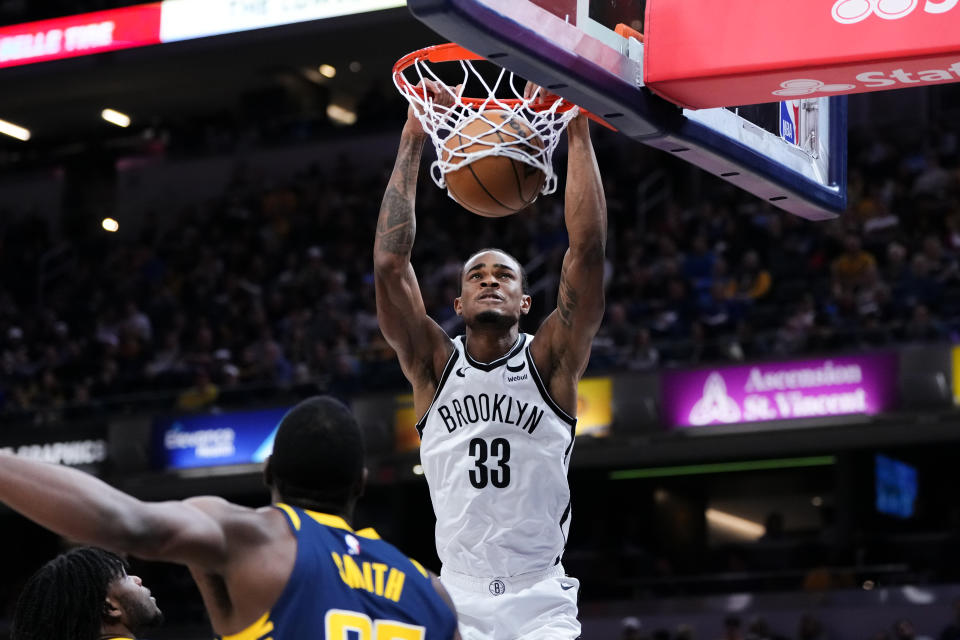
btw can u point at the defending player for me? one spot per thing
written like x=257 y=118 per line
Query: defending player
x=84 y=594
x=496 y=407
x=289 y=571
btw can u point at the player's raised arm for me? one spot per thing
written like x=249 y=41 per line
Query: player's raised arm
x=420 y=343
x=80 y=507
x=563 y=341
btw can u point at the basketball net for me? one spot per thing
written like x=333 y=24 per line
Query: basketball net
x=544 y=119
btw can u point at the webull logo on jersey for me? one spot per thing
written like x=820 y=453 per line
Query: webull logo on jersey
x=482 y=408
x=206 y=443
x=854 y=11
x=513 y=373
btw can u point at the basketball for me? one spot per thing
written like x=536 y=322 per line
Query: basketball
x=493 y=186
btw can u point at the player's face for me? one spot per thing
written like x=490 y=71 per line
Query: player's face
x=132 y=602
x=492 y=291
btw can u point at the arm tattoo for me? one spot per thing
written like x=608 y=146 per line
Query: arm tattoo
x=396 y=227
x=567 y=299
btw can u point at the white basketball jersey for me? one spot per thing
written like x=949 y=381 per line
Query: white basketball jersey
x=495 y=449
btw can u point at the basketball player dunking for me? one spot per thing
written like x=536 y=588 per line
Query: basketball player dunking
x=496 y=407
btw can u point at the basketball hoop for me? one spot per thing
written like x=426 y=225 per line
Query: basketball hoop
x=543 y=119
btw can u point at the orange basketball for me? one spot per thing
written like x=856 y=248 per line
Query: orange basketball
x=493 y=186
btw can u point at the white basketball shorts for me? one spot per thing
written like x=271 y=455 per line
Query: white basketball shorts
x=531 y=606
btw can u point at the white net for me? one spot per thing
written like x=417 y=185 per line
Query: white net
x=505 y=123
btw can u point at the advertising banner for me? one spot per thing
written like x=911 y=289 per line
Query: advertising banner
x=704 y=53
x=74 y=447
x=780 y=391
x=159 y=22
x=185 y=19
x=242 y=437
x=80 y=35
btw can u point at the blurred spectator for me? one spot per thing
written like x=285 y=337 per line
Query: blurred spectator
x=202 y=395
x=759 y=629
x=851 y=267
x=903 y=630
x=643 y=356
x=922 y=328
x=684 y=632
x=732 y=629
x=630 y=628
x=810 y=628
x=753 y=281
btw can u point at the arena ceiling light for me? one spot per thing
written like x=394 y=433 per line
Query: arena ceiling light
x=327 y=70
x=115 y=117
x=341 y=115
x=14 y=131
x=734 y=524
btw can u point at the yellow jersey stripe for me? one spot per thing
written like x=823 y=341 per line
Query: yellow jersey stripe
x=294 y=517
x=328 y=520
x=419 y=567
x=256 y=631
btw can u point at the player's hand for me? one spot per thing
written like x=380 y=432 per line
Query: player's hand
x=436 y=92
x=537 y=94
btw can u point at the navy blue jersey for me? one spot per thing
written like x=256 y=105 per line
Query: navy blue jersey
x=351 y=585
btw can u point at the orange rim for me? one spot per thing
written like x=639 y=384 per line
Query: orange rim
x=453 y=52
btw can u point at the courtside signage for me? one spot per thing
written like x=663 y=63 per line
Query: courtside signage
x=80 y=35
x=781 y=391
x=160 y=22
x=243 y=437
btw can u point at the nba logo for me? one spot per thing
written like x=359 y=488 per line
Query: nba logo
x=790 y=121
x=353 y=545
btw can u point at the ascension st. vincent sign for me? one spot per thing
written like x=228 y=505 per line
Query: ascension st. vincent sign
x=780 y=391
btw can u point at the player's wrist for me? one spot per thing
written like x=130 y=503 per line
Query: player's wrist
x=413 y=128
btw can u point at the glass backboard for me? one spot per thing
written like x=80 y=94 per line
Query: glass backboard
x=792 y=154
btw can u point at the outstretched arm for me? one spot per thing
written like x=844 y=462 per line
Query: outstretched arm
x=80 y=507
x=416 y=338
x=566 y=335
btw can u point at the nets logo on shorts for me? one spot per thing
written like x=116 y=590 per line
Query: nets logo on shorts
x=497 y=588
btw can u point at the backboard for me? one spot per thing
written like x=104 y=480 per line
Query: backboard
x=792 y=154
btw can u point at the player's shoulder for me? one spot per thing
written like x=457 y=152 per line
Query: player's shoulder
x=235 y=518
